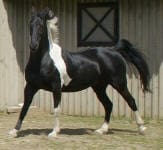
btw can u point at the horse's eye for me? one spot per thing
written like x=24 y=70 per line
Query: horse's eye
x=41 y=30
x=31 y=30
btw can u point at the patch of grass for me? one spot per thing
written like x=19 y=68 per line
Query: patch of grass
x=77 y=133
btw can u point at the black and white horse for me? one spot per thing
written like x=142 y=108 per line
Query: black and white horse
x=50 y=68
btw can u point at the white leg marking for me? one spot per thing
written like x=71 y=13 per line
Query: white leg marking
x=13 y=133
x=104 y=128
x=139 y=120
x=56 y=128
x=140 y=123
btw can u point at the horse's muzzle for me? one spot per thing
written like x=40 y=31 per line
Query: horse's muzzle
x=33 y=46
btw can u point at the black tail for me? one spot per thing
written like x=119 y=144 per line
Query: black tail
x=132 y=55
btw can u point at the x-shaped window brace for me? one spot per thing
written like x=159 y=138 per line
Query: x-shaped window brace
x=98 y=23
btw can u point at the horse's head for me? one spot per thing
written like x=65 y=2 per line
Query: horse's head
x=38 y=28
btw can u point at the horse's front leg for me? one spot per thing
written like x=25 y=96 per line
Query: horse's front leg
x=57 y=100
x=29 y=92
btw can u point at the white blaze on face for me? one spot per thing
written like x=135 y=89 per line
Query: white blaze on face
x=56 y=51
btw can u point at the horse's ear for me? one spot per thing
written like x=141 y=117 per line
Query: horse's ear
x=33 y=11
x=46 y=14
x=50 y=14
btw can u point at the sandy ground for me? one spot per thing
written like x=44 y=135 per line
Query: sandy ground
x=77 y=133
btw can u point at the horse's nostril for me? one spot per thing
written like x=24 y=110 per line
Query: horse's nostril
x=33 y=46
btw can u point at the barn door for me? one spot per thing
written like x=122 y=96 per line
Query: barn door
x=97 y=24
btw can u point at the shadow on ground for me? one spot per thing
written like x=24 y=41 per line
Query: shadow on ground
x=69 y=131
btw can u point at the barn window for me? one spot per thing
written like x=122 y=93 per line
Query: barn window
x=97 y=24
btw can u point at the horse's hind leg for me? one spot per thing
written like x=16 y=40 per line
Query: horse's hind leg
x=123 y=90
x=100 y=91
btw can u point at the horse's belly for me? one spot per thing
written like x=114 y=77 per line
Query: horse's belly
x=75 y=87
x=81 y=83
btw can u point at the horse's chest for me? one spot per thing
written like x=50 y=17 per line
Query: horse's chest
x=58 y=61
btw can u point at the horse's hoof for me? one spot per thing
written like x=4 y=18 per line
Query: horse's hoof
x=100 y=131
x=13 y=133
x=53 y=134
x=142 y=130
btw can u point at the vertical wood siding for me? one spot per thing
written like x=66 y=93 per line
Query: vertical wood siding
x=140 y=22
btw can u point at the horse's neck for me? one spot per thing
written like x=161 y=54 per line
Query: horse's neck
x=52 y=31
x=55 y=50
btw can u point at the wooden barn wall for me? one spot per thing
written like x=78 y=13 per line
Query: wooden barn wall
x=140 y=21
x=11 y=55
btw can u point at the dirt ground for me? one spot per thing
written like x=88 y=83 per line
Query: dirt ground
x=77 y=133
